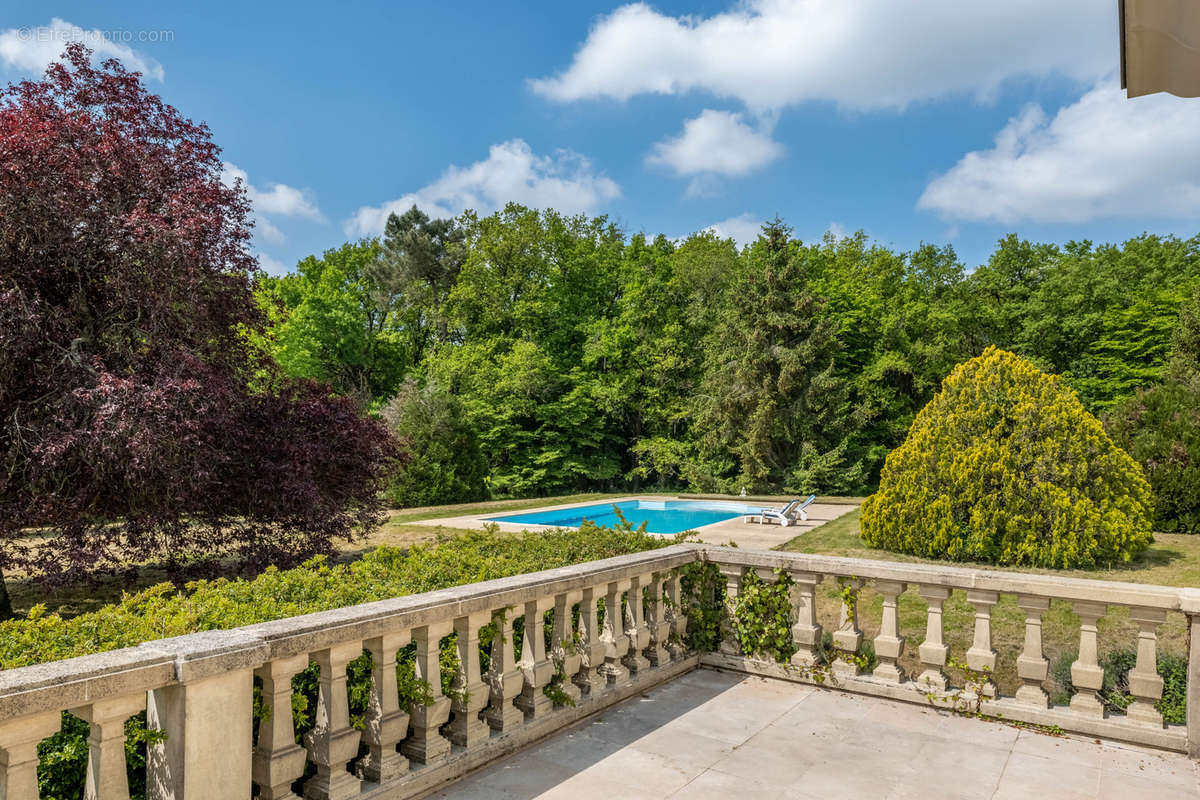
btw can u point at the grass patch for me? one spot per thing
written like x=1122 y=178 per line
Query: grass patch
x=1172 y=560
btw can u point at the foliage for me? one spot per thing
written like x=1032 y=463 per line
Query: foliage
x=770 y=404
x=1115 y=694
x=1006 y=466
x=420 y=263
x=138 y=424
x=703 y=590
x=763 y=621
x=1160 y=427
x=445 y=463
x=529 y=285
x=587 y=359
x=331 y=322
x=1101 y=316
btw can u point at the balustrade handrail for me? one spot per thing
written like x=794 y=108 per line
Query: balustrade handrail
x=1168 y=598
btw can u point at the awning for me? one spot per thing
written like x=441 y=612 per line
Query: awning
x=1160 y=47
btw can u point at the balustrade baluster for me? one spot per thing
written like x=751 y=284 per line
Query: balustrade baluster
x=589 y=678
x=278 y=761
x=426 y=745
x=106 y=776
x=933 y=650
x=566 y=651
x=733 y=585
x=19 y=739
x=636 y=628
x=848 y=637
x=332 y=743
x=471 y=692
x=675 y=617
x=660 y=632
x=889 y=644
x=1145 y=684
x=980 y=656
x=1086 y=672
x=615 y=638
x=806 y=631
x=1032 y=666
x=535 y=664
x=504 y=676
x=386 y=722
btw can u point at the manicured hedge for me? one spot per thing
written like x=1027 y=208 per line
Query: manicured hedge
x=1006 y=466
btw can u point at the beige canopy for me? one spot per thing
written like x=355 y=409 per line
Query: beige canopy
x=1160 y=47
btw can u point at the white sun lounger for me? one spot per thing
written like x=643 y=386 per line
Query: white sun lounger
x=784 y=516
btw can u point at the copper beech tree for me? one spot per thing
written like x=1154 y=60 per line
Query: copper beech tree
x=135 y=423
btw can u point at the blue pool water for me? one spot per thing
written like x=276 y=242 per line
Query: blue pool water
x=660 y=516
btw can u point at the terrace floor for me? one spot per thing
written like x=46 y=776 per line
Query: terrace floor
x=711 y=734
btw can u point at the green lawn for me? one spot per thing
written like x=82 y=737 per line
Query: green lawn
x=1173 y=560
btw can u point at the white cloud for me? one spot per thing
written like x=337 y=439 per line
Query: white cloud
x=512 y=172
x=1103 y=156
x=272 y=266
x=743 y=229
x=837 y=230
x=278 y=200
x=716 y=143
x=34 y=49
x=865 y=54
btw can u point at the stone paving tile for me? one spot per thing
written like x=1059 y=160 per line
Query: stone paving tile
x=1027 y=776
x=719 y=735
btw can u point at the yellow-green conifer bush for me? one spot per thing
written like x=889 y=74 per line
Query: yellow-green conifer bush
x=1006 y=466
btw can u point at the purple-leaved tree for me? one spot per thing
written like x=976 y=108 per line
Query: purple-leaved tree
x=135 y=422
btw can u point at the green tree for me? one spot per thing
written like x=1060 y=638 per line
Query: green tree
x=642 y=356
x=1160 y=427
x=528 y=292
x=898 y=324
x=771 y=410
x=1006 y=466
x=419 y=263
x=330 y=322
x=445 y=463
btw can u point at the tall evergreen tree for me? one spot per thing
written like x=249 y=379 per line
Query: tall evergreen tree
x=772 y=411
x=420 y=262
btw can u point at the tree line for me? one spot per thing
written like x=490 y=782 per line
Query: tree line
x=557 y=353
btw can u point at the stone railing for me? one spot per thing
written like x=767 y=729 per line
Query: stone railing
x=199 y=689
x=1148 y=607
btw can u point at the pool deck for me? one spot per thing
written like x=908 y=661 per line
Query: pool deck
x=749 y=535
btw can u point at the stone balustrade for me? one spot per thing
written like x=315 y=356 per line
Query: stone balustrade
x=594 y=633
x=1091 y=600
x=198 y=690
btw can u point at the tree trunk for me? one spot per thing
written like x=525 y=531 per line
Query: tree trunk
x=6 y=609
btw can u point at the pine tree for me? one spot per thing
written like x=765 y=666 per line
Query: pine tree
x=771 y=410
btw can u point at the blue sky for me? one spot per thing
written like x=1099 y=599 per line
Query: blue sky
x=939 y=121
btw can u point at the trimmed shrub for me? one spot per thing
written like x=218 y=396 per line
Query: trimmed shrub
x=446 y=464
x=1006 y=466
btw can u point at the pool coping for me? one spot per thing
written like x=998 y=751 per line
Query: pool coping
x=478 y=521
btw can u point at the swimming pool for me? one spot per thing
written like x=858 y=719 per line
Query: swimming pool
x=660 y=516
